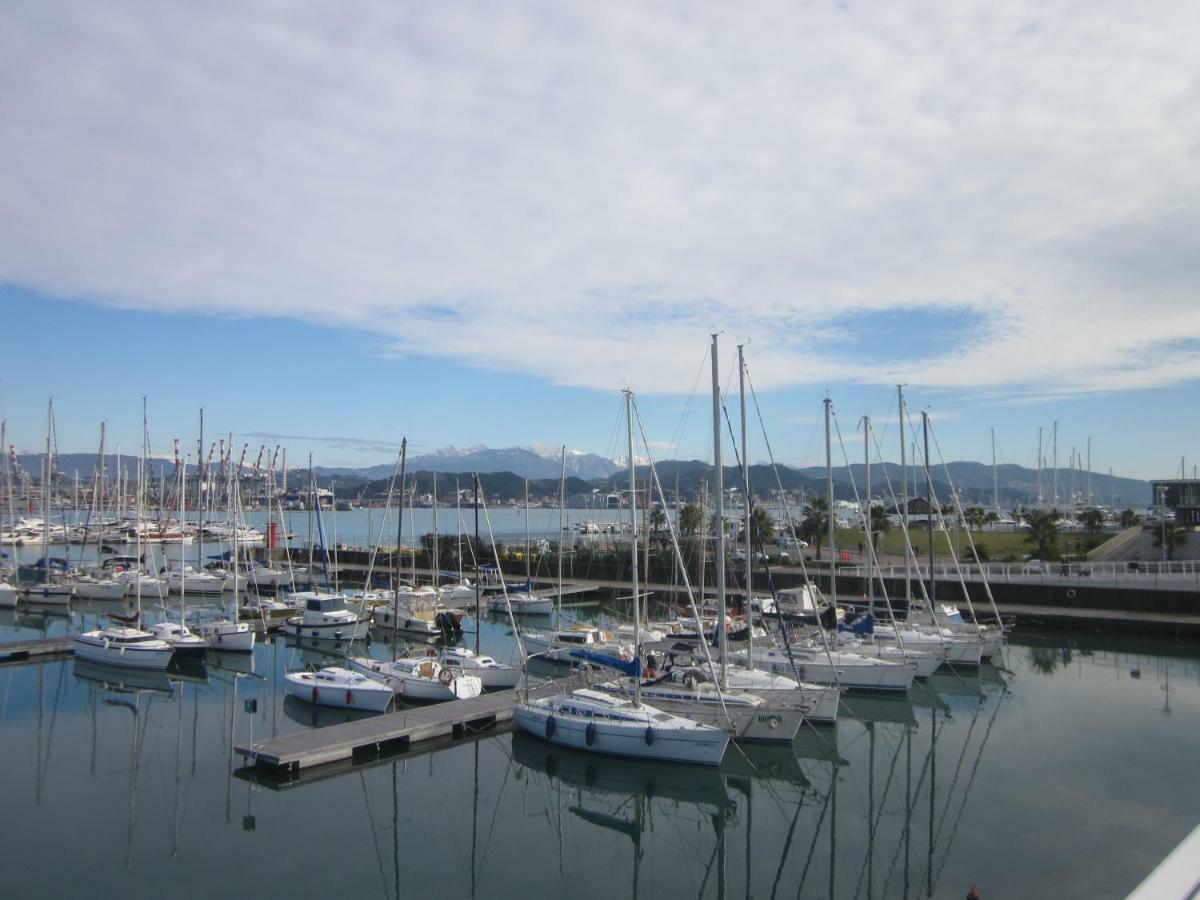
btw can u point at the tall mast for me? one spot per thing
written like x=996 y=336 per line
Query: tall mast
x=719 y=491
x=201 y=472
x=1089 y=472
x=867 y=514
x=399 y=544
x=1041 y=490
x=633 y=556
x=437 y=559
x=475 y=556
x=904 y=495
x=528 y=577
x=995 y=477
x=829 y=503
x=1054 y=464
x=929 y=516
x=748 y=603
x=49 y=472
x=562 y=520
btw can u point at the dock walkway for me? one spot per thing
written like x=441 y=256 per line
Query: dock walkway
x=36 y=650
x=389 y=733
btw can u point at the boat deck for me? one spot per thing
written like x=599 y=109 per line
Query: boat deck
x=389 y=733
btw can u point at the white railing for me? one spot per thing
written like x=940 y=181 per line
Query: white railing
x=1165 y=575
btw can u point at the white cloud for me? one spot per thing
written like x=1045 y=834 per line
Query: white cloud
x=583 y=192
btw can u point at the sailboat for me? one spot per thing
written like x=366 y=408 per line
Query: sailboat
x=227 y=634
x=182 y=640
x=587 y=719
x=8 y=593
x=48 y=592
x=121 y=645
x=339 y=687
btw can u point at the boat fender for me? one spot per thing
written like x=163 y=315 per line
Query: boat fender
x=349 y=697
x=649 y=736
x=314 y=700
x=445 y=677
x=550 y=723
x=1070 y=593
x=689 y=681
x=589 y=733
x=431 y=652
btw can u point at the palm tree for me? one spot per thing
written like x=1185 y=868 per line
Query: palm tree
x=658 y=519
x=1043 y=532
x=1170 y=536
x=815 y=522
x=1129 y=519
x=762 y=527
x=1092 y=521
x=879 y=519
x=691 y=517
x=974 y=516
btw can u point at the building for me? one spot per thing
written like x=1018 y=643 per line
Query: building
x=1181 y=496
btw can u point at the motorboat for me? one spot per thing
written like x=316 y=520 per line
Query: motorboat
x=339 y=687
x=325 y=616
x=492 y=674
x=194 y=581
x=180 y=637
x=49 y=593
x=230 y=637
x=89 y=587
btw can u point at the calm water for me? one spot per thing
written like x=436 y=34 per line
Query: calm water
x=1067 y=776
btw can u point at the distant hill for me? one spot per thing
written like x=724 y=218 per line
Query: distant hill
x=504 y=472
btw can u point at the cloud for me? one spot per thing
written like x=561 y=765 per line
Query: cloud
x=582 y=193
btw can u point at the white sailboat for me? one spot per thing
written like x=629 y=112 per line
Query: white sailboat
x=48 y=593
x=421 y=678
x=492 y=675
x=339 y=687
x=592 y=720
x=184 y=642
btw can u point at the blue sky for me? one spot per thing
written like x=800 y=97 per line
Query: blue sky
x=360 y=224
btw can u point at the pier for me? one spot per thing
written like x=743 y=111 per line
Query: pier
x=36 y=650
x=390 y=733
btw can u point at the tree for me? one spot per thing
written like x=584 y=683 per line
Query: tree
x=1129 y=519
x=762 y=527
x=991 y=518
x=880 y=522
x=658 y=519
x=691 y=517
x=1092 y=521
x=974 y=516
x=1043 y=532
x=1170 y=536
x=815 y=522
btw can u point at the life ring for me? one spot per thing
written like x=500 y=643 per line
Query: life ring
x=773 y=722
x=589 y=733
x=689 y=681
x=431 y=652
x=445 y=677
x=1070 y=593
x=550 y=723
x=649 y=735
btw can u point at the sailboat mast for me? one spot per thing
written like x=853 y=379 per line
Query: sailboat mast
x=633 y=555
x=399 y=544
x=929 y=515
x=1054 y=464
x=904 y=495
x=562 y=520
x=201 y=477
x=528 y=582
x=867 y=513
x=719 y=491
x=995 y=477
x=1041 y=491
x=49 y=471
x=475 y=556
x=437 y=558
x=748 y=604
x=829 y=498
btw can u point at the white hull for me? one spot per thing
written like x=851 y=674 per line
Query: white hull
x=93 y=647
x=334 y=631
x=493 y=675
x=49 y=594
x=8 y=595
x=698 y=746
x=100 y=590
x=341 y=693
x=228 y=637
x=412 y=685
x=848 y=671
x=522 y=606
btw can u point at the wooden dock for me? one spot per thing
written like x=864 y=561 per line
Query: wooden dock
x=36 y=650
x=370 y=738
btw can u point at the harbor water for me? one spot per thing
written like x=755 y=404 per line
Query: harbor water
x=1066 y=775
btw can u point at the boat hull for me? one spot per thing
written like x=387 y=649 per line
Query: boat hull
x=97 y=650
x=303 y=686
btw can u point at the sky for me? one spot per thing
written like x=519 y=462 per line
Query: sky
x=474 y=224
